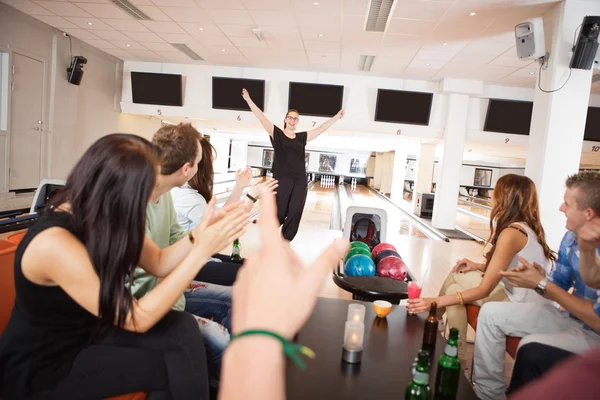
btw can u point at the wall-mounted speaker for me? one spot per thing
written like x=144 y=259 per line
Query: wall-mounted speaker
x=75 y=70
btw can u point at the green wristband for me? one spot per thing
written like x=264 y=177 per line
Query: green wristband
x=291 y=350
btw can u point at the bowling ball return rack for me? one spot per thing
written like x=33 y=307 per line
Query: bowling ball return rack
x=372 y=288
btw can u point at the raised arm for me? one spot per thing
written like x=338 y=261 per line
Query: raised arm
x=313 y=134
x=264 y=121
x=57 y=257
x=510 y=242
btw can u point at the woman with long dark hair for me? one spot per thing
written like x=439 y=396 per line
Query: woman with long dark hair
x=76 y=331
x=289 y=164
x=516 y=231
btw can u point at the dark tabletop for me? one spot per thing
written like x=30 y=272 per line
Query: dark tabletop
x=390 y=347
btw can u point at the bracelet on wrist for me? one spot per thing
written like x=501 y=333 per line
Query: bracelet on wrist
x=291 y=350
x=254 y=199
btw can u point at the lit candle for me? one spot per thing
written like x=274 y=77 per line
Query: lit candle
x=354 y=334
x=356 y=312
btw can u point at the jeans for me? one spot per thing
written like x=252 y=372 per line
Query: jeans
x=211 y=304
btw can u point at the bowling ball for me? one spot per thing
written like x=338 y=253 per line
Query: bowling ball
x=384 y=254
x=357 y=250
x=392 y=267
x=381 y=247
x=360 y=245
x=360 y=265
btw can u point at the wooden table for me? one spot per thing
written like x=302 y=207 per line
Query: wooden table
x=390 y=347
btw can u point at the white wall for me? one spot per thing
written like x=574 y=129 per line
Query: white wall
x=342 y=165
x=360 y=95
x=467 y=172
x=75 y=116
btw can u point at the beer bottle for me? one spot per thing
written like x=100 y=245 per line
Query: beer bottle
x=448 y=372
x=419 y=388
x=235 y=253
x=431 y=331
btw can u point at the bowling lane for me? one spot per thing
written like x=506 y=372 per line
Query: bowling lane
x=474 y=219
x=317 y=210
x=397 y=220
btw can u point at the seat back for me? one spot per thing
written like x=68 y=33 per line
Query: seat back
x=512 y=342
x=16 y=237
x=7 y=281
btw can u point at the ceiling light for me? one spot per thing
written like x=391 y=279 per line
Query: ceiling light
x=128 y=45
x=200 y=29
x=223 y=50
x=89 y=23
x=472 y=14
x=258 y=33
x=427 y=65
x=532 y=73
x=445 y=44
x=315 y=3
x=321 y=35
x=365 y=62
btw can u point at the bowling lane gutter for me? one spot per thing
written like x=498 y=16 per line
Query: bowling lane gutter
x=336 y=213
x=429 y=231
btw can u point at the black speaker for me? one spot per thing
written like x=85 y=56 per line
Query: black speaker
x=586 y=47
x=75 y=71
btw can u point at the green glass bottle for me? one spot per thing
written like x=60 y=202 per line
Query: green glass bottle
x=237 y=249
x=448 y=372
x=419 y=387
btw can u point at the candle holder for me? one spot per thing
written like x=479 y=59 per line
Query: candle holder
x=356 y=312
x=353 y=342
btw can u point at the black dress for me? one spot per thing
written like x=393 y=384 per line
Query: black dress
x=51 y=348
x=290 y=170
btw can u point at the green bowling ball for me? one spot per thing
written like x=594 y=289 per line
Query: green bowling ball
x=355 y=251
x=361 y=245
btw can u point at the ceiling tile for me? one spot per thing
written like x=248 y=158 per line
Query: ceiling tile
x=122 y=54
x=223 y=4
x=424 y=10
x=354 y=24
x=128 y=45
x=281 y=32
x=112 y=35
x=57 y=22
x=63 y=8
x=329 y=34
x=285 y=44
x=453 y=72
x=81 y=33
x=393 y=40
x=198 y=29
x=317 y=56
x=157 y=46
x=187 y=14
x=321 y=21
x=265 y=17
x=324 y=47
x=216 y=40
x=411 y=27
x=141 y=2
x=146 y=55
x=89 y=1
x=155 y=13
x=436 y=55
x=419 y=73
x=126 y=26
x=253 y=53
x=363 y=40
x=91 y=24
x=163 y=27
x=231 y=17
x=325 y=7
x=174 y=3
x=427 y=64
x=177 y=38
x=267 y=4
x=400 y=53
x=356 y=7
x=104 y=10
x=238 y=30
x=145 y=37
x=452 y=46
x=509 y=61
x=488 y=47
x=101 y=44
x=229 y=50
x=28 y=7
x=247 y=42
x=493 y=73
x=174 y=56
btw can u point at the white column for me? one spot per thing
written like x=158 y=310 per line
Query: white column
x=377 y=176
x=424 y=170
x=239 y=154
x=399 y=171
x=221 y=145
x=453 y=143
x=558 y=120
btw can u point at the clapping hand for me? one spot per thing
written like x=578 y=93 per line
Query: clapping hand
x=526 y=275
